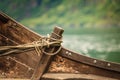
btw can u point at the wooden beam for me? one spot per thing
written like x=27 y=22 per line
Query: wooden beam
x=46 y=59
x=70 y=76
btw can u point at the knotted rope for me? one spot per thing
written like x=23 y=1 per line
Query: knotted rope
x=37 y=45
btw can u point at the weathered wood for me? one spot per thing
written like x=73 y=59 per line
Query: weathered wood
x=68 y=76
x=19 y=34
x=46 y=59
x=12 y=67
x=13 y=33
x=90 y=61
x=4 y=41
x=25 y=56
x=66 y=65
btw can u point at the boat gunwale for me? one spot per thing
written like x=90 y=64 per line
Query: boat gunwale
x=19 y=24
x=90 y=61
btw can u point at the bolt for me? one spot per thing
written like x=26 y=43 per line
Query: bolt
x=95 y=61
x=108 y=64
x=67 y=52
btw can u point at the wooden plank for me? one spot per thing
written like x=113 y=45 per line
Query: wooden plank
x=71 y=76
x=66 y=65
x=90 y=61
x=4 y=41
x=19 y=34
x=46 y=59
x=13 y=33
x=15 y=67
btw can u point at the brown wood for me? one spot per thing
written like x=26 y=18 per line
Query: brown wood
x=64 y=65
x=8 y=65
x=19 y=35
x=91 y=61
x=46 y=59
x=13 y=33
x=68 y=76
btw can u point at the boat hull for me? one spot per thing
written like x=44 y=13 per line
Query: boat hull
x=65 y=64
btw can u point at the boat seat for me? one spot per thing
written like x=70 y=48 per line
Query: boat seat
x=72 y=76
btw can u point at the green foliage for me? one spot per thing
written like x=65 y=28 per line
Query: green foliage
x=40 y=14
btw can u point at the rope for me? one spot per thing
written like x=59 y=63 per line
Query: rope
x=37 y=45
x=51 y=54
x=37 y=49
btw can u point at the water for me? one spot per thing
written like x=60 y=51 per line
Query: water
x=100 y=46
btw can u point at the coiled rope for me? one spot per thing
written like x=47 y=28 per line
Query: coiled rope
x=37 y=45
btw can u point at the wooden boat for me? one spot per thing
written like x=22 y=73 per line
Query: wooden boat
x=50 y=62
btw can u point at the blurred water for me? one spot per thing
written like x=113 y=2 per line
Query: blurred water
x=105 y=47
